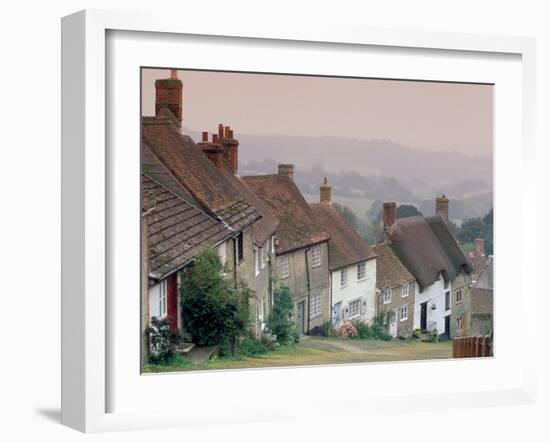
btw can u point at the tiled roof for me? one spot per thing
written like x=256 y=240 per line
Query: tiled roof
x=176 y=230
x=195 y=172
x=298 y=226
x=390 y=272
x=345 y=246
x=427 y=248
x=266 y=226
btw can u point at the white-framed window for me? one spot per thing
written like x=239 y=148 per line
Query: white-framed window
x=316 y=256
x=284 y=267
x=361 y=271
x=404 y=313
x=459 y=323
x=405 y=290
x=343 y=277
x=386 y=296
x=458 y=296
x=163 y=300
x=315 y=304
x=257 y=260
x=222 y=252
x=354 y=308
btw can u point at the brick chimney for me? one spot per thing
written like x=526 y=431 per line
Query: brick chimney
x=287 y=170
x=230 y=147
x=442 y=208
x=389 y=215
x=213 y=150
x=325 y=191
x=169 y=94
x=479 y=245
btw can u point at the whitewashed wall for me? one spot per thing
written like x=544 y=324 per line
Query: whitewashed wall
x=434 y=294
x=365 y=289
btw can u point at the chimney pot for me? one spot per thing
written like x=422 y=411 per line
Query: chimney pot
x=389 y=215
x=325 y=191
x=287 y=170
x=215 y=138
x=226 y=132
x=169 y=95
x=220 y=130
x=205 y=137
x=442 y=208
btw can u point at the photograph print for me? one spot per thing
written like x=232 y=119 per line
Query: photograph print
x=296 y=220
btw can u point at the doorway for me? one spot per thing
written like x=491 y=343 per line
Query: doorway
x=448 y=327
x=424 y=316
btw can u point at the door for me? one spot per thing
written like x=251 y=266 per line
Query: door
x=424 y=316
x=300 y=323
x=336 y=312
x=393 y=324
x=448 y=327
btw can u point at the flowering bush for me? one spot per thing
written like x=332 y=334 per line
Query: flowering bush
x=347 y=330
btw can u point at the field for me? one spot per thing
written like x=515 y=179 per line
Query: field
x=324 y=351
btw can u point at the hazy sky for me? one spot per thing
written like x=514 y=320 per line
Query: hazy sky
x=432 y=116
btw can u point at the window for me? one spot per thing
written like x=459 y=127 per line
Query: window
x=405 y=291
x=240 y=247
x=273 y=244
x=459 y=323
x=386 y=294
x=447 y=300
x=354 y=309
x=458 y=295
x=257 y=260
x=163 y=300
x=361 y=271
x=284 y=267
x=316 y=256
x=315 y=305
x=404 y=313
x=222 y=253
x=343 y=277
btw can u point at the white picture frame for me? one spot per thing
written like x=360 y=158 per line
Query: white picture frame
x=87 y=356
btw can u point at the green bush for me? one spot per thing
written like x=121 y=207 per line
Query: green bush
x=363 y=330
x=214 y=308
x=280 y=320
x=163 y=341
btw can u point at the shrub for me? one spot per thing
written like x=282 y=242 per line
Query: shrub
x=363 y=330
x=251 y=347
x=347 y=330
x=280 y=319
x=163 y=341
x=214 y=309
x=416 y=333
x=326 y=329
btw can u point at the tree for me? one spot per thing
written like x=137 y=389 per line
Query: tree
x=407 y=210
x=280 y=320
x=471 y=229
x=214 y=308
x=488 y=222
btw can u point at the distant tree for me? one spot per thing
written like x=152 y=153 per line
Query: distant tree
x=471 y=229
x=488 y=221
x=349 y=215
x=375 y=210
x=407 y=210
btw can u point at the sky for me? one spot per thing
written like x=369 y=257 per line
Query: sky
x=424 y=115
